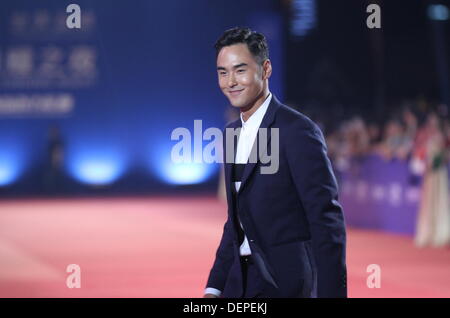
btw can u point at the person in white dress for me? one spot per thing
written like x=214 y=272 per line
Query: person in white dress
x=433 y=222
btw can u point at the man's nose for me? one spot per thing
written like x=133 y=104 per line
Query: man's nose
x=231 y=81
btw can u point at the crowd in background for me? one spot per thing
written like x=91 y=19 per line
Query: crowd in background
x=406 y=134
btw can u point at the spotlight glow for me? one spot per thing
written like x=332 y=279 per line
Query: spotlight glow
x=97 y=168
x=9 y=169
x=438 y=12
x=186 y=173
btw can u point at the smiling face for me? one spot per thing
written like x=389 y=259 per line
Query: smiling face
x=241 y=78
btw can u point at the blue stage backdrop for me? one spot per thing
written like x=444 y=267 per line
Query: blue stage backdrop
x=92 y=109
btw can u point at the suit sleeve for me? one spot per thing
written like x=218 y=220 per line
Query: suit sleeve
x=317 y=188
x=224 y=259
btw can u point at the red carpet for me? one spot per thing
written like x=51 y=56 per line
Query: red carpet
x=164 y=247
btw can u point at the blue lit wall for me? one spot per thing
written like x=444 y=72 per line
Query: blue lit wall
x=153 y=70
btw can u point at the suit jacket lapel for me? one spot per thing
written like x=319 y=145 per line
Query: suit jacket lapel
x=267 y=121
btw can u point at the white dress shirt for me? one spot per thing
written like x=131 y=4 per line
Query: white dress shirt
x=246 y=140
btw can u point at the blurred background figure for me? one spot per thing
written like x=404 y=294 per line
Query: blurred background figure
x=55 y=161
x=397 y=143
x=433 y=224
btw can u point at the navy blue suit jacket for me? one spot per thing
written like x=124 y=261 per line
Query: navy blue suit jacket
x=292 y=218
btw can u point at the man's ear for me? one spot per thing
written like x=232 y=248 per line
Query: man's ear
x=267 y=69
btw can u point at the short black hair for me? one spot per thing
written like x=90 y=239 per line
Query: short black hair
x=256 y=42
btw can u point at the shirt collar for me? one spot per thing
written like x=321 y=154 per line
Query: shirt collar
x=254 y=121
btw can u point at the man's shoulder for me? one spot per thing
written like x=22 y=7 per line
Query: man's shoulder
x=288 y=117
x=297 y=128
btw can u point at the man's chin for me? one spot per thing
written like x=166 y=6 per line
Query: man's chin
x=236 y=104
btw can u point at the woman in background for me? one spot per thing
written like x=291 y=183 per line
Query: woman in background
x=433 y=223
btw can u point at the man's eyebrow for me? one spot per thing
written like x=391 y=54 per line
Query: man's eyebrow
x=240 y=65
x=221 y=68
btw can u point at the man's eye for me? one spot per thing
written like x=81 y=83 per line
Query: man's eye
x=223 y=73
x=241 y=71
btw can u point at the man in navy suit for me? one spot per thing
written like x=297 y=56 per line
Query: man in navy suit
x=285 y=233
